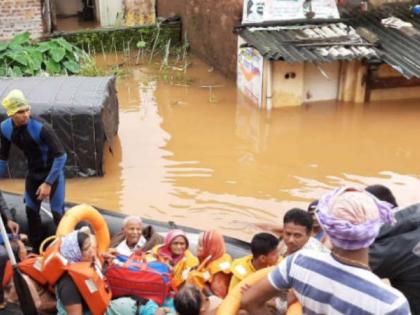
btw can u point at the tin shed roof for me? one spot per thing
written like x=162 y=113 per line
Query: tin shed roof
x=400 y=47
x=298 y=43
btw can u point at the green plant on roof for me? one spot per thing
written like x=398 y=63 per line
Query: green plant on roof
x=21 y=57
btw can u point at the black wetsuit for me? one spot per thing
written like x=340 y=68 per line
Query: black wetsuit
x=46 y=159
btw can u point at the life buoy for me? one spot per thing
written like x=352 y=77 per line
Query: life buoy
x=89 y=214
x=232 y=302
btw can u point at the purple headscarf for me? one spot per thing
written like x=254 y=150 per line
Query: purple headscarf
x=352 y=217
x=69 y=247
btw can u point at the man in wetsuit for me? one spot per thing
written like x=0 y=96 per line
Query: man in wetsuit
x=46 y=159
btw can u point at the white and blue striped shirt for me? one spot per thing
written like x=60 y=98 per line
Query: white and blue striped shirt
x=325 y=286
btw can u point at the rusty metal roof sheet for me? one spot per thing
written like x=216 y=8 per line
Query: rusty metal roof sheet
x=298 y=43
x=400 y=48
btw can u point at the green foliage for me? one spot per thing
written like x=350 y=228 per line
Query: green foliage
x=116 y=39
x=21 y=57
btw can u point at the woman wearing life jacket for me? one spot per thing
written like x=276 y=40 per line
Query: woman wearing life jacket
x=75 y=291
x=175 y=253
x=214 y=272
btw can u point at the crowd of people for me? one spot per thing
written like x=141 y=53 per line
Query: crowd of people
x=319 y=256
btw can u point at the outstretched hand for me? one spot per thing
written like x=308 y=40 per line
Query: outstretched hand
x=43 y=191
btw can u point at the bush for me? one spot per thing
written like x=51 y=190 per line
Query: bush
x=21 y=57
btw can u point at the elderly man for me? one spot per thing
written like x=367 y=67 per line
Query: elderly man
x=133 y=238
x=339 y=282
x=46 y=160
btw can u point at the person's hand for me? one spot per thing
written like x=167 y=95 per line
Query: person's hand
x=244 y=288
x=109 y=255
x=163 y=311
x=23 y=237
x=43 y=191
x=13 y=226
x=291 y=298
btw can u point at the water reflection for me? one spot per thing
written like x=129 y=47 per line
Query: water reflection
x=224 y=164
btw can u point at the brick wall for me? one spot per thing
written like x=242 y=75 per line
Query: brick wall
x=17 y=16
x=209 y=25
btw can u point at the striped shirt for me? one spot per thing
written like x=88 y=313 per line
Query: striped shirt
x=325 y=286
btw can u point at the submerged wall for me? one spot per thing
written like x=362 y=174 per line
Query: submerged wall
x=18 y=16
x=209 y=26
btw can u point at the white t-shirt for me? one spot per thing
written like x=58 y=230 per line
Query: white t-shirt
x=123 y=248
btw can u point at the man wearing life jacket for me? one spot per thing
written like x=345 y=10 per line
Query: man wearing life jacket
x=214 y=271
x=46 y=159
x=176 y=254
x=265 y=253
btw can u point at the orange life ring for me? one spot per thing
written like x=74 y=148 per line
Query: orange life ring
x=232 y=302
x=89 y=214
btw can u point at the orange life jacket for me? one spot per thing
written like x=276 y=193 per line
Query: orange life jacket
x=205 y=272
x=8 y=273
x=32 y=266
x=181 y=270
x=54 y=264
x=92 y=285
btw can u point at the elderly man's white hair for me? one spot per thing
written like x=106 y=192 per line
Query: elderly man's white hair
x=131 y=218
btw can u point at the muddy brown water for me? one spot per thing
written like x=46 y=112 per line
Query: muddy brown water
x=216 y=161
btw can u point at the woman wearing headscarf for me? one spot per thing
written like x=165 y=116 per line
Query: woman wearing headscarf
x=176 y=254
x=77 y=247
x=213 y=274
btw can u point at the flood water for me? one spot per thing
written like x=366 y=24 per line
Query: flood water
x=216 y=161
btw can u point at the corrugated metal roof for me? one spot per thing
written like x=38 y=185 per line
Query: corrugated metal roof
x=399 y=48
x=297 y=43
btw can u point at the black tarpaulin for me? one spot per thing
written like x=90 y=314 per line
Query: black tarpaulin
x=83 y=111
x=395 y=254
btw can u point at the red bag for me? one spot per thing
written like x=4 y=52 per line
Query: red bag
x=148 y=280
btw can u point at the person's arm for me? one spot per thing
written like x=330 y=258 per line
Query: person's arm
x=254 y=298
x=220 y=283
x=4 y=154
x=12 y=225
x=69 y=296
x=49 y=137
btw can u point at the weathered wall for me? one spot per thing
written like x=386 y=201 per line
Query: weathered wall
x=209 y=26
x=17 y=16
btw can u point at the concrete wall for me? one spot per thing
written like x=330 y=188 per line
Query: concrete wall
x=17 y=16
x=209 y=26
x=68 y=7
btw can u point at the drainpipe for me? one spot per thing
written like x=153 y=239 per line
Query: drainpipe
x=269 y=86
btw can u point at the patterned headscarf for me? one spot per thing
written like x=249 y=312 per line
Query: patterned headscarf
x=69 y=246
x=352 y=217
x=165 y=250
x=213 y=245
x=14 y=102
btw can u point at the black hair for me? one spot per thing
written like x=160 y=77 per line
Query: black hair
x=313 y=205
x=263 y=244
x=81 y=237
x=188 y=301
x=382 y=193
x=299 y=217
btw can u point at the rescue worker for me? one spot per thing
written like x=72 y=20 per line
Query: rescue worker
x=45 y=156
